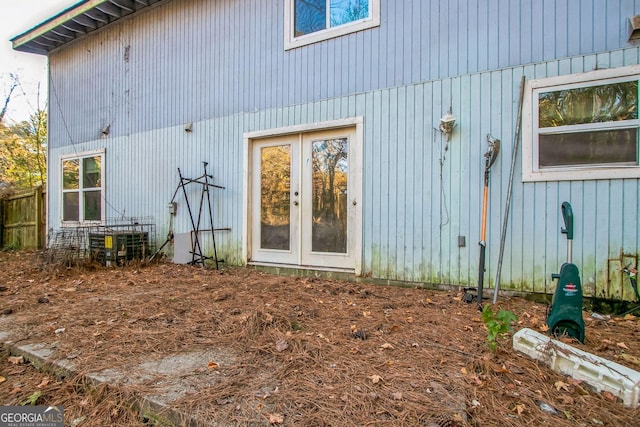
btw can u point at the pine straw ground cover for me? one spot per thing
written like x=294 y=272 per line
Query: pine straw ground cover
x=299 y=351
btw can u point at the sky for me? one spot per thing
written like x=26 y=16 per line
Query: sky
x=16 y=17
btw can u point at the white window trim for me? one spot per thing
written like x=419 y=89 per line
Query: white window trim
x=80 y=156
x=292 y=42
x=531 y=172
x=249 y=137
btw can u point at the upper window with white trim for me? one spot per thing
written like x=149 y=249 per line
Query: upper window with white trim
x=582 y=126
x=311 y=21
x=82 y=188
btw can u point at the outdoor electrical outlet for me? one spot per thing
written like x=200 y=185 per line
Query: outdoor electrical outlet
x=462 y=241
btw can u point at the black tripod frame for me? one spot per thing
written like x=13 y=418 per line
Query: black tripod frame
x=197 y=254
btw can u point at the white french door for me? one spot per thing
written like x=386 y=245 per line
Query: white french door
x=303 y=203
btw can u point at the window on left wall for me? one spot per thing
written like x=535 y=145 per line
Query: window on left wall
x=82 y=181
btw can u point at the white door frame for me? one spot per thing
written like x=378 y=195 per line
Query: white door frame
x=250 y=137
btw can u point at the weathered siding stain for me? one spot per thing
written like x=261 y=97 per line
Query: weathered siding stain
x=412 y=214
x=222 y=66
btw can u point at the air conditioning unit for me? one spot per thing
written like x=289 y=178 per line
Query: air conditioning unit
x=118 y=247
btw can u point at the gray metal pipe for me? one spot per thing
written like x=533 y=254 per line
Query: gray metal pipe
x=503 y=236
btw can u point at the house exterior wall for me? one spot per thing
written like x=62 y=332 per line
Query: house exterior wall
x=192 y=60
x=222 y=66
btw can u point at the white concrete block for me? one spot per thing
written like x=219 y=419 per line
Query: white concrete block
x=182 y=248
x=597 y=372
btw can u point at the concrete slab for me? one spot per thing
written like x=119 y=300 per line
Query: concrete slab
x=171 y=377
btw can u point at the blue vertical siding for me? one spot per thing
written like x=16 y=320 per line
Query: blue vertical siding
x=193 y=60
x=221 y=65
x=418 y=196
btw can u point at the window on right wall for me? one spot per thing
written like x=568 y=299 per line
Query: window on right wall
x=581 y=127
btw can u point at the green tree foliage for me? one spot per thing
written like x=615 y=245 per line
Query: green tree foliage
x=23 y=152
x=592 y=104
x=330 y=189
x=275 y=183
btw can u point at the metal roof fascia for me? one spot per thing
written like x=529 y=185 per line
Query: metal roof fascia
x=55 y=21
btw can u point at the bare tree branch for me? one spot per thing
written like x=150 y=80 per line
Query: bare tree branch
x=14 y=85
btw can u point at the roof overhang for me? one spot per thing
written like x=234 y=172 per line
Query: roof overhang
x=75 y=22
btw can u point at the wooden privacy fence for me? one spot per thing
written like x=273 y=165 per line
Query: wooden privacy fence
x=22 y=220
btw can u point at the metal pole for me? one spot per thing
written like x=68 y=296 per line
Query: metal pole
x=196 y=243
x=514 y=155
x=213 y=233
x=197 y=230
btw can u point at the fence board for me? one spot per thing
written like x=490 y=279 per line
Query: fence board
x=22 y=220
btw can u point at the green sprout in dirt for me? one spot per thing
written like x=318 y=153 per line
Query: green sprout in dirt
x=295 y=326
x=32 y=400
x=497 y=324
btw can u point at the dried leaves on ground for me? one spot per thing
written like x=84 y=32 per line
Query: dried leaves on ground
x=291 y=350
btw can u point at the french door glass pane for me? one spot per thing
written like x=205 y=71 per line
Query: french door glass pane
x=329 y=195
x=92 y=205
x=275 y=197
x=70 y=206
x=589 y=148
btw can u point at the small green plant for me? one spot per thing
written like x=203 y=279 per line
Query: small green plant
x=12 y=247
x=295 y=326
x=31 y=400
x=497 y=324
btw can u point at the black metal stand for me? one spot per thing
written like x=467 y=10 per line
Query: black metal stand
x=197 y=254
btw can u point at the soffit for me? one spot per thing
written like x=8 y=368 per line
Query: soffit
x=75 y=22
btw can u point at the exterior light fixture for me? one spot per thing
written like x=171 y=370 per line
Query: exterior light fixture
x=188 y=127
x=447 y=123
x=105 y=131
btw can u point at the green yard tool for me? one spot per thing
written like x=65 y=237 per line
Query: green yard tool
x=565 y=313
